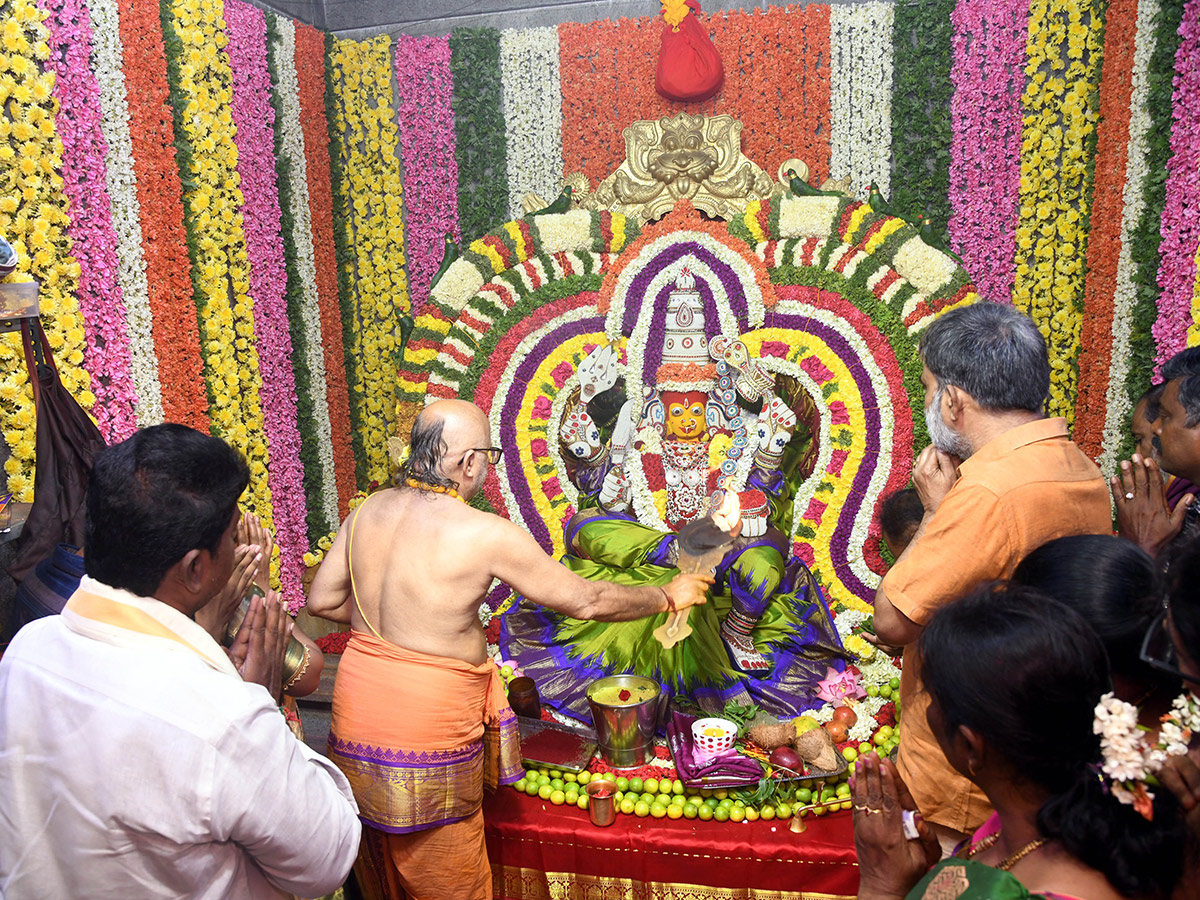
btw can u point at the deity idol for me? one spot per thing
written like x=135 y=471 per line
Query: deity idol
x=714 y=421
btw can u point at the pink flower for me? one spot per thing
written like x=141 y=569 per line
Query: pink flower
x=816 y=509
x=816 y=369
x=538 y=448
x=838 y=414
x=775 y=348
x=836 y=686
x=561 y=373
x=552 y=487
x=541 y=408
x=836 y=460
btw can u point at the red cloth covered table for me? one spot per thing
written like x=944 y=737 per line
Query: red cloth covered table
x=539 y=851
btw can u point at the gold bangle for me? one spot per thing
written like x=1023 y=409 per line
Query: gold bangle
x=299 y=672
x=670 y=603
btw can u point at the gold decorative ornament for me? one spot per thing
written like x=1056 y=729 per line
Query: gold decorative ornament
x=685 y=157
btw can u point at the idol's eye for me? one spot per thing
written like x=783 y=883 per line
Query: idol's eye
x=698 y=409
x=676 y=411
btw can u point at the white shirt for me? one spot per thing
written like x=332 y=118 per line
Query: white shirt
x=145 y=772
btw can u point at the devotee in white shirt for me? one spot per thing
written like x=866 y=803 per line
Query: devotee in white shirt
x=137 y=758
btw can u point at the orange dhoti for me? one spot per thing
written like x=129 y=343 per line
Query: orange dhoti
x=419 y=737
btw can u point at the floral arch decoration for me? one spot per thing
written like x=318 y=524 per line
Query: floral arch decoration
x=822 y=289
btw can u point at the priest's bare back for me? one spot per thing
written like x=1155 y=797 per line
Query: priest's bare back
x=422 y=559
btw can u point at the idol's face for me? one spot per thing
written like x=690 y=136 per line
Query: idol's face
x=685 y=414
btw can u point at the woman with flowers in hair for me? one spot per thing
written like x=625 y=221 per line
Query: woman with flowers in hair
x=1018 y=703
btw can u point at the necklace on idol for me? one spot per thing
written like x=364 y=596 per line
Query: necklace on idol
x=432 y=488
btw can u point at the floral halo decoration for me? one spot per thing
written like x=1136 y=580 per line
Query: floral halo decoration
x=821 y=289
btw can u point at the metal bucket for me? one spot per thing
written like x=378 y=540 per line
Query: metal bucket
x=625 y=731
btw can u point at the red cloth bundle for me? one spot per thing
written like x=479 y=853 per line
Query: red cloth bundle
x=689 y=66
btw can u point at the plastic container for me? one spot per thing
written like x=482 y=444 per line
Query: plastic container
x=708 y=743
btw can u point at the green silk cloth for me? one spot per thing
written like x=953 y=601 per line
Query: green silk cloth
x=965 y=879
x=795 y=631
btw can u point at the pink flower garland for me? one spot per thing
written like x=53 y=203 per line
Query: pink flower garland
x=985 y=161
x=1180 y=220
x=426 y=126
x=253 y=116
x=91 y=229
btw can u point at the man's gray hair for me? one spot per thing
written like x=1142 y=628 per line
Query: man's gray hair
x=993 y=352
x=427 y=451
x=1185 y=366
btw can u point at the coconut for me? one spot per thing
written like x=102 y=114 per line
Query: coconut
x=771 y=736
x=817 y=750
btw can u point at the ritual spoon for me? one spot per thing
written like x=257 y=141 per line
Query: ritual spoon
x=702 y=544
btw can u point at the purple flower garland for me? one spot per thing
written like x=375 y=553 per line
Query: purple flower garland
x=94 y=238
x=427 y=144
x=254 y=118
x=985 y=162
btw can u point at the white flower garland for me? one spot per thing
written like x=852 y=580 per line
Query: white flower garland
x=1118 y=404
x=860 y=140
x=1129 y=758
x=807 y=217
x=532 y=103
x=292 y=148
x=925 y=268
x=107 y=63
x=460 y=283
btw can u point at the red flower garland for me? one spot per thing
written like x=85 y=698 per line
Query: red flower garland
x=310 y=70
x=164 y=242
x=1104 y=240
x=777 y=83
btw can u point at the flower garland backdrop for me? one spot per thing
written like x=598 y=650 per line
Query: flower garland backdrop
x=427 y=143
x=106 y=355
x=254 y=120
x=33 y=216
x=201 y=90
x=1177 y=314
x=304 y=316
x=532 y=113
x=985 y=155
x=159 y=198
x=1057 y=161
x=375 y=290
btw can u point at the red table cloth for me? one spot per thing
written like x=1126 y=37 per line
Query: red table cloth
x=539 y=851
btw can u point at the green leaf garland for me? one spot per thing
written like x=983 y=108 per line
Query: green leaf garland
x=481 y=149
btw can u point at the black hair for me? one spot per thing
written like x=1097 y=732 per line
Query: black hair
x=993 y=352
x=1114 y=584
x=1185 y=366
x=901 y=514
x=1184 y=596
x=154 y=497
x=1153 y=398
x=427 y=451
x=1025 y=672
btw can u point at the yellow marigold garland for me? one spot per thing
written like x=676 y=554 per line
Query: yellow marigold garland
x=34 y=216
x=202 y=81
x=1063 y=67
x=365 y=114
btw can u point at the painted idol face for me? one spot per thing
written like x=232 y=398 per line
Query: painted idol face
x=685 y=415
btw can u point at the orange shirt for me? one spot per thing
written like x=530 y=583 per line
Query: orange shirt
x=1025 y=487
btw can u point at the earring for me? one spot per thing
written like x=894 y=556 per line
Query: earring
x=971 y=766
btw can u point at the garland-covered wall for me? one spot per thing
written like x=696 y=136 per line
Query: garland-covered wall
x=228 y=211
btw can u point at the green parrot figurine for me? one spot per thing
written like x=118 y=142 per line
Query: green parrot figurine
x=801 y=188
x=929 y=236
x=877 y=202
x=560 y=204
x=449 y=255
x=405 y=325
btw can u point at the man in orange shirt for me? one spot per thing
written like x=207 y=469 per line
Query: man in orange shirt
x=999 y=480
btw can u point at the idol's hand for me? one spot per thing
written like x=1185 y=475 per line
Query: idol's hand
x=687 y=589
x=598 y=372
x=615 y=490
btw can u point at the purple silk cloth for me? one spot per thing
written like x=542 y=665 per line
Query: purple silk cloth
x=1178 y=489
x=727 y=769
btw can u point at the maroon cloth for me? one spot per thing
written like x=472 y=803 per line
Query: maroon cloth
x=67 y=442
x=528 y=837
x=689 y=66
x=1178 y=489
x=728 y=769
